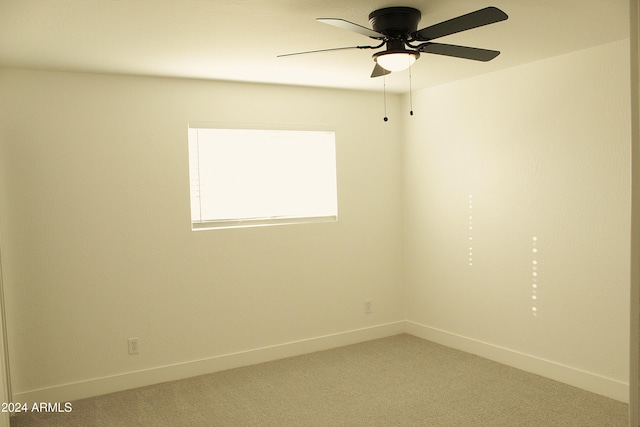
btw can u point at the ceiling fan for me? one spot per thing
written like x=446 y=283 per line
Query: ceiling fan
x=396 y=29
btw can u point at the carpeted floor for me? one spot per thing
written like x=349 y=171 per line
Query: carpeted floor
x=395 y=381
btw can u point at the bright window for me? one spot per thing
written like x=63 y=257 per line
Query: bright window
x=254 y=177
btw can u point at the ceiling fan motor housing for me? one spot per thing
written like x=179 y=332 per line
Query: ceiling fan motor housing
x=395 y=21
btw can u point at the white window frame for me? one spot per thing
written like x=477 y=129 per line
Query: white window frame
x=303 y=199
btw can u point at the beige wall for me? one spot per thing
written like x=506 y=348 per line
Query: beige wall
x=97 y=246
x=634 y=361
x=97 y=240
x=543 y=149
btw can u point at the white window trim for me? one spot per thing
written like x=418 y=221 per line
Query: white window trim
x=197 y=225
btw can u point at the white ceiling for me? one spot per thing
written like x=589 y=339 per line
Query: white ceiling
x=240 y=39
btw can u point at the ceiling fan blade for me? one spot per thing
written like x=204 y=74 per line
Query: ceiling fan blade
x=350 y=26
x=325 y=50
x=488 y=15
x=465 y=52
x=379 y=71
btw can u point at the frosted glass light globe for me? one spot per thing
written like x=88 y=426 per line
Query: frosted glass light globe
x=395 y=61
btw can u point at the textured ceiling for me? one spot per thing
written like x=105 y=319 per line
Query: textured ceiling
x=240 y=39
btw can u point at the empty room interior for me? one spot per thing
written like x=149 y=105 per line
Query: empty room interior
x=483 y=206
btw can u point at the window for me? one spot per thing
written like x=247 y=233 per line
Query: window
x=255 y=177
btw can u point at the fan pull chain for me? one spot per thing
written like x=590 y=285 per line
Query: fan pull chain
x=384 y=82
x=410 y=94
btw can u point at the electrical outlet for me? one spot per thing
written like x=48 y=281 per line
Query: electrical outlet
x=134 y=346
x=368 y=306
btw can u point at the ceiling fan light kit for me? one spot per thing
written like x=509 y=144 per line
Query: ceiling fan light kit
x=396 y=57
x=395 y=28
x=396 y=61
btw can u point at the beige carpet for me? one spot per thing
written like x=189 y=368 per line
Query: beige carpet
x=396 y=381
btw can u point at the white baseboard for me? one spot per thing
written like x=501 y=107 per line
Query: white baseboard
x=98 y=386
x=585 y=380
x=111 y=384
